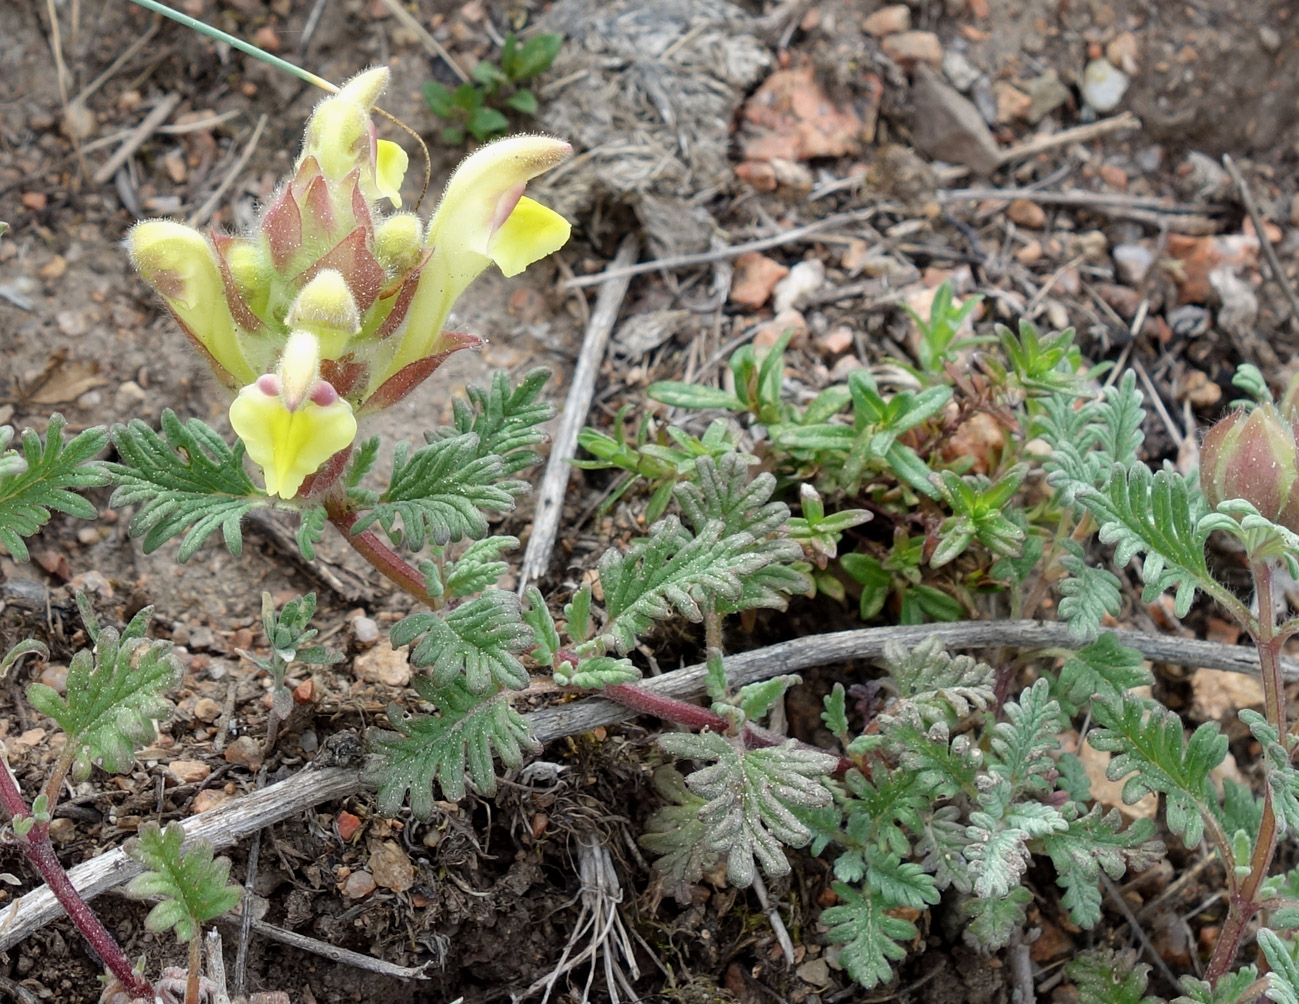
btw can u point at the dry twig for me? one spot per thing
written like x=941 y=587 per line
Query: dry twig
x=1269 y=252
x=156 y=117
x=554 y=482
x=1078 y=134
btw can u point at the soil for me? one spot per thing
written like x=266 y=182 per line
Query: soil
x=486 y=891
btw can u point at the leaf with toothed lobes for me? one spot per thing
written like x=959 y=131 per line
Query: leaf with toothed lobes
x=750 y=797
x=476 y=644
x=186 y=480
x=191 y=883
x=115 y=695
x=45 y=478
x=1106 y=976
x=441 y=749
x=870 y=936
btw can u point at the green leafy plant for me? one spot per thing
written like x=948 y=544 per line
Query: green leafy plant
x=289 y=633
x=476 y=107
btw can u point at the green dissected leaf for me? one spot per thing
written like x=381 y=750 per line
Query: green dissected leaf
x=1150 y=742
x=757 y=699
x=1103 y=976
x=479 y=567
x=934 y=686
x=1232 y=988
x=835 y=714
x=476 y=643
x=186 y=480
x=941 y=848
x=545 y=636
x=869 y=935
x=190 y=881
x=114 y=696
x=1103 y=668
x=885 y=808
x=900 y=883
x=1088 y=594
x=442 y=492
x=1073 y=780
x=993 y=921
x=1240 y=809
x=364 y=455
x=1282 y=777
x=942 y=765
x=508 y=421
x=997 y=840
x=1094 y=843
x=464 y=734
x=46 y=478
x=596 y=672
x=750 y=794
x=1022 y=745
x=311 y=524
x=1283 y=980
x=677 y=834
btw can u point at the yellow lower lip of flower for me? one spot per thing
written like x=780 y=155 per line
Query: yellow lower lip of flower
x=289 y=445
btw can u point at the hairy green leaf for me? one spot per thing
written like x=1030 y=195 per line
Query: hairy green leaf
x=1092 y=844
x=477 y=643
x=1104 y=976
x=936 y=687
x=186 y=480
x=1088 y=594
x=190 y=881
x=869 y=935
x=115 y=695
x=46 y=478
x=677 y=834
x=993 y=921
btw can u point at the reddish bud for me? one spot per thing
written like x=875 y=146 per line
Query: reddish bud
x=1252 y=456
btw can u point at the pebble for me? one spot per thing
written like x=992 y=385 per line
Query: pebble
x=755 y=277
x=188 y=771
x=383 y=664
x=202 y=637
x=836 y=341
x=55 y=677
x=245 y=752
x=309 y=742
x=1046 y=93
x=129 y=396
x=786 y=321
x=391 y=867
x=63 y=830
x=88 y=536
x=365 y=631
x=804 y=278
x=346 y=824
x=1012 y=103
x=946 y=126
x=1027 y=213
x=1269 y=38
x=1030 y=253
x=888 y=20
x=72 y=323
x=914 y=47
x=1114 y=176
x=207 y=709
x=210 y=798
x=1132 y=261
x=358 y=885
x=1104 y=85
x=960 y=71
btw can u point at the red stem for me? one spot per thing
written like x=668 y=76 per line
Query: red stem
x=40 y=852
x=1244 y=903
x=388 y=562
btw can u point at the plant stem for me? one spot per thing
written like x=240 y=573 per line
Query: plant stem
x=195 y=967
x=386 y=561
x=1243 y=903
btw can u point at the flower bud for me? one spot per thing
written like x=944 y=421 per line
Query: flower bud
x=397 y=242
x=326 y=308
x=1252 y=456
x=251 y=271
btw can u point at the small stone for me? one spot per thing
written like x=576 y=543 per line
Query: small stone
x=391 y=867
x=1012 y=103
x=1103 y=85
x=1269 y=38
x=845 y=365
x=1027 y=213
x=34 y=201
x=202 y=637
x=814 y=971
x=836 y=341
x=130 y=395
x=803 y=279
x=1114 y=176
x=358 y=885
x=210 y=798
x=305 y=692
x=188 y=771
x=1030 y=253
x=755 y=277
x=207 y=710
x=245 y=752
x=346 y=826
x=91 y=400
x=242 y=639
x=1217 y=695
x=1046 y=93
x=909 y=47
x=1124 y=299
x=365 y=631
x=888 y=20
x=55 y=676
x=63 y=830
x=309 y=742
x=174 y=163
x=1123 y=51
x=383 y=664
x=786 y=321
x=792 y=175
x=1202 y=392
x=946 y=126
x=758 y=173
x=53 y=269
x=960 y=71
x=1132 y=262
x=88 y=536
x=72 y=323
x=79 y=122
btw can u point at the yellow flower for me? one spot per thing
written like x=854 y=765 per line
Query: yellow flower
x=483 y=217
x=290 y=445
x=182 y=266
